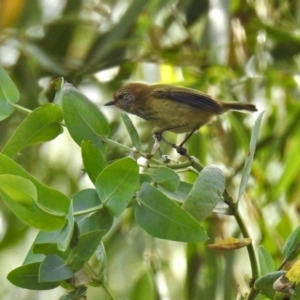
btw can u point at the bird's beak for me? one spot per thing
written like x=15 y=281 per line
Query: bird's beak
x=112 y=102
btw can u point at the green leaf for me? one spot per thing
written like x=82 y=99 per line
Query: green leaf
x=55 y=203
x=5 y=109
x=180 y=193
x=82 y=117
x=33 y=257
x=79 y=293
x=8 y=89
x=102 y=259
x=85 y=199
x=167 y=178
x=206 y=192
x=65 y=235
x=18 y=188
x=249 y=159
x=54 y=269
x=291 y=247
x=161 y=217
x=93 y=159
x=31 y=215
x=117 y=183
x=132 y=132
x=86 y=247
x=265 y=283
x=100 y=220
x=266 y=261
x=46 y=243
x=41 y=125
x=144 y=288
x=27 y=277
x=291 y=165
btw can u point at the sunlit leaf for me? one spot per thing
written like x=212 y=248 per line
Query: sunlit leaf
x=41 y=125
x=18 y=188
x=8 y=90
x=54 y=202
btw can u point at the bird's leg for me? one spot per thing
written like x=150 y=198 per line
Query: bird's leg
x=157 y=135
x=180 y=147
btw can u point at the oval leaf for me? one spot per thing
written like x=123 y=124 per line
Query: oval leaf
x=27 y=277
x=93 y=159
x=78 y=293
x=85 y=248
x=82 y=117
x=100 y=220
x=132 y=132
x=266 y=261
x=206 y=192
x=18 y=188
x=117 y=183
x=50 y=199
x=167 y=178
x=5 y=108
x=161 y=217
x=41 y=125
x=8 y=89
x=54 y=269
x=249 y=159
x=292 y=245
x=265 y=283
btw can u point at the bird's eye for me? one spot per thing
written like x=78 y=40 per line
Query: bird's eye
x=122 y=96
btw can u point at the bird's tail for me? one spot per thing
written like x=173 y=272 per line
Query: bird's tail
x=238 y=106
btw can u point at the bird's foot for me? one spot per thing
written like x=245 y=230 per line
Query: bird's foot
x=180 y=149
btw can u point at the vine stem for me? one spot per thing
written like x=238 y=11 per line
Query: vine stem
x=253 y=261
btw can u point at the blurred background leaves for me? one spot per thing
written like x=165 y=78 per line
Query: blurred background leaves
x=233 y=50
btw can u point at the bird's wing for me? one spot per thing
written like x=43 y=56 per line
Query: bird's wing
x=189 y=96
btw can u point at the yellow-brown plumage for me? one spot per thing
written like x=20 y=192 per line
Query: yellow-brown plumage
x=172 y=108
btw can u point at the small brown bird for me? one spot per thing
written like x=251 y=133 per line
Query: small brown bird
x=172 y=108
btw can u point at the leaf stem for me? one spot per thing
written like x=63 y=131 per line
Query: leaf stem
x=21 y=108
x=89 y=210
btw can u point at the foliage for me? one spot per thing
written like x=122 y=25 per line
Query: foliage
x=110 y=226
